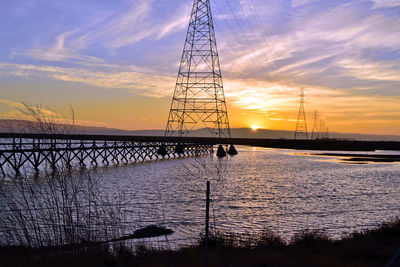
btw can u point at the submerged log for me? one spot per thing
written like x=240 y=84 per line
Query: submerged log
x=147 y=232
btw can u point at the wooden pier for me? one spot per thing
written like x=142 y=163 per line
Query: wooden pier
x=32 y=153
x=36 y=152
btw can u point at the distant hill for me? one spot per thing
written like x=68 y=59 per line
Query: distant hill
x=20 y=126
x=273 y=134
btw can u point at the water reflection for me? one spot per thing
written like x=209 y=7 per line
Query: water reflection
x=259 y=188
x=280 y=189
x=354 y=157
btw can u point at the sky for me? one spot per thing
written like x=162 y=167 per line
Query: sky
x=115 y=62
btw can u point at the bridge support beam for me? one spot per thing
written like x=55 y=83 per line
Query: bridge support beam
x=30 y=153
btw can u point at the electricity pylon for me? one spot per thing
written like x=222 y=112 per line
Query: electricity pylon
x=301 y=125
x=315 y=129
x=199 y=98
x=321 y=128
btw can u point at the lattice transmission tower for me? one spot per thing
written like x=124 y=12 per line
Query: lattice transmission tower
x=199 y=98
x=315 y=130
x=301 y=125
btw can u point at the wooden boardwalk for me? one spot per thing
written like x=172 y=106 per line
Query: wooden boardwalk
x=32 y=153
x=20 y=152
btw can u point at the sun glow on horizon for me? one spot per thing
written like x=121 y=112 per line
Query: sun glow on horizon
x=255 y=127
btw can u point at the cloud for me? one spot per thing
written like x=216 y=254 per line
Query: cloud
x=175 y=24
x=298 y=3
x=19 y=107
x=278 y=103
x=140 y=83
x=317 y=49
x=270 y=97
x=59 y=52
x=385 y=3
x=101 y=28
x=262 y=55
x=129 y=28
x=11 y=103
x=110 y=30
x=137 y=24
x=366 y=70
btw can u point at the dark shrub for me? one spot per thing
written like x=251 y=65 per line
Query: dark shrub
x=310 y=238
x=268 y=239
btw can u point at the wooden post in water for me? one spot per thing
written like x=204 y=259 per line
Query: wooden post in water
x=207 y=222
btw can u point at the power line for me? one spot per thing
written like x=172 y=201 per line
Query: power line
x=247 y=40
x=243 y=37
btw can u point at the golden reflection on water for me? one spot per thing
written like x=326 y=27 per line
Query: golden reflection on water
x=352 y=157
x=284 y=190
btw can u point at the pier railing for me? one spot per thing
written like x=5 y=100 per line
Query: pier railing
x=20 y=152
x=37 y=152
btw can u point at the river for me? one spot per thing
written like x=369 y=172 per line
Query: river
x=283 y=190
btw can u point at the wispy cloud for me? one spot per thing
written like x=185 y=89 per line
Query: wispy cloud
x=322 y=44
x=129 y=28
x=17 y=108
x=268 y=97
x=136 y=25
x=145 y=84
x=59 y=52
x=365 y=70
x=298 y=3
x=385 y=3
x=175 y=24
x=111 y=31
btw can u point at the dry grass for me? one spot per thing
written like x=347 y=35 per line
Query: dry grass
x=373 y=247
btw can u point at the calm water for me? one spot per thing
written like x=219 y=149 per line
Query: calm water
x=284 y=190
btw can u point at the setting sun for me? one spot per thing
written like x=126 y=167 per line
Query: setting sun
x=254 y=127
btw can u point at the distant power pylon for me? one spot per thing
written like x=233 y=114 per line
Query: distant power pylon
x=301 y=125
x=315 y=129
x=321 y=128
x=199 y=94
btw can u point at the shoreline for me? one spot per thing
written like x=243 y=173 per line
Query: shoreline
x=372 y=247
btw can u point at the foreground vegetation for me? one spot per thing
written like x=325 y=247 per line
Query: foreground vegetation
x=374 y=247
